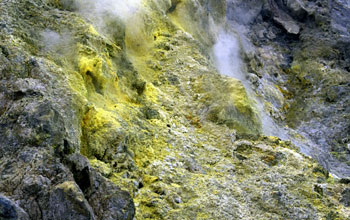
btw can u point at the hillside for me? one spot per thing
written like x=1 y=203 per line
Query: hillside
x=174 y=109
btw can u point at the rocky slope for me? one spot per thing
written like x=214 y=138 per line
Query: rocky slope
x=311 y=72
x=116 y=110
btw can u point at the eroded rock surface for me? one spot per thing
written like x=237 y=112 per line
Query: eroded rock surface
x=117 y=111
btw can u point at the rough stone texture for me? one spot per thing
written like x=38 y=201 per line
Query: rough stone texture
x=340 y=10
x=297 y=8
x=243 y=12
x=346 y=197
x=40 y=124
x=68 y=202
x=9 y=210
x=304 y=78
x=282 y=18
x=105 y=116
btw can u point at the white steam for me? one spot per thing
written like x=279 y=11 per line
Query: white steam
x=59 y=43
x=227 y=55
x=51 y=39
x=98 y=10
x=124 y=9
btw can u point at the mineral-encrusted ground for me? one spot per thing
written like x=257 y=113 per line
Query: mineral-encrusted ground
x=107 y=115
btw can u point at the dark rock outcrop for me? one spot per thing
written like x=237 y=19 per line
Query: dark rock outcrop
x=10 y=211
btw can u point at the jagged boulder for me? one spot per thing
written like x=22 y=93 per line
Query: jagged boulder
x=283 y=18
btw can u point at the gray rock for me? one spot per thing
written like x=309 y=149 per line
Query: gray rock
x=107 y=200
x=10 y=211
x=340 y=13
x=68 y=202
x=296 y=7
x=283 y=19
x=346 y=197
x=243 y=12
